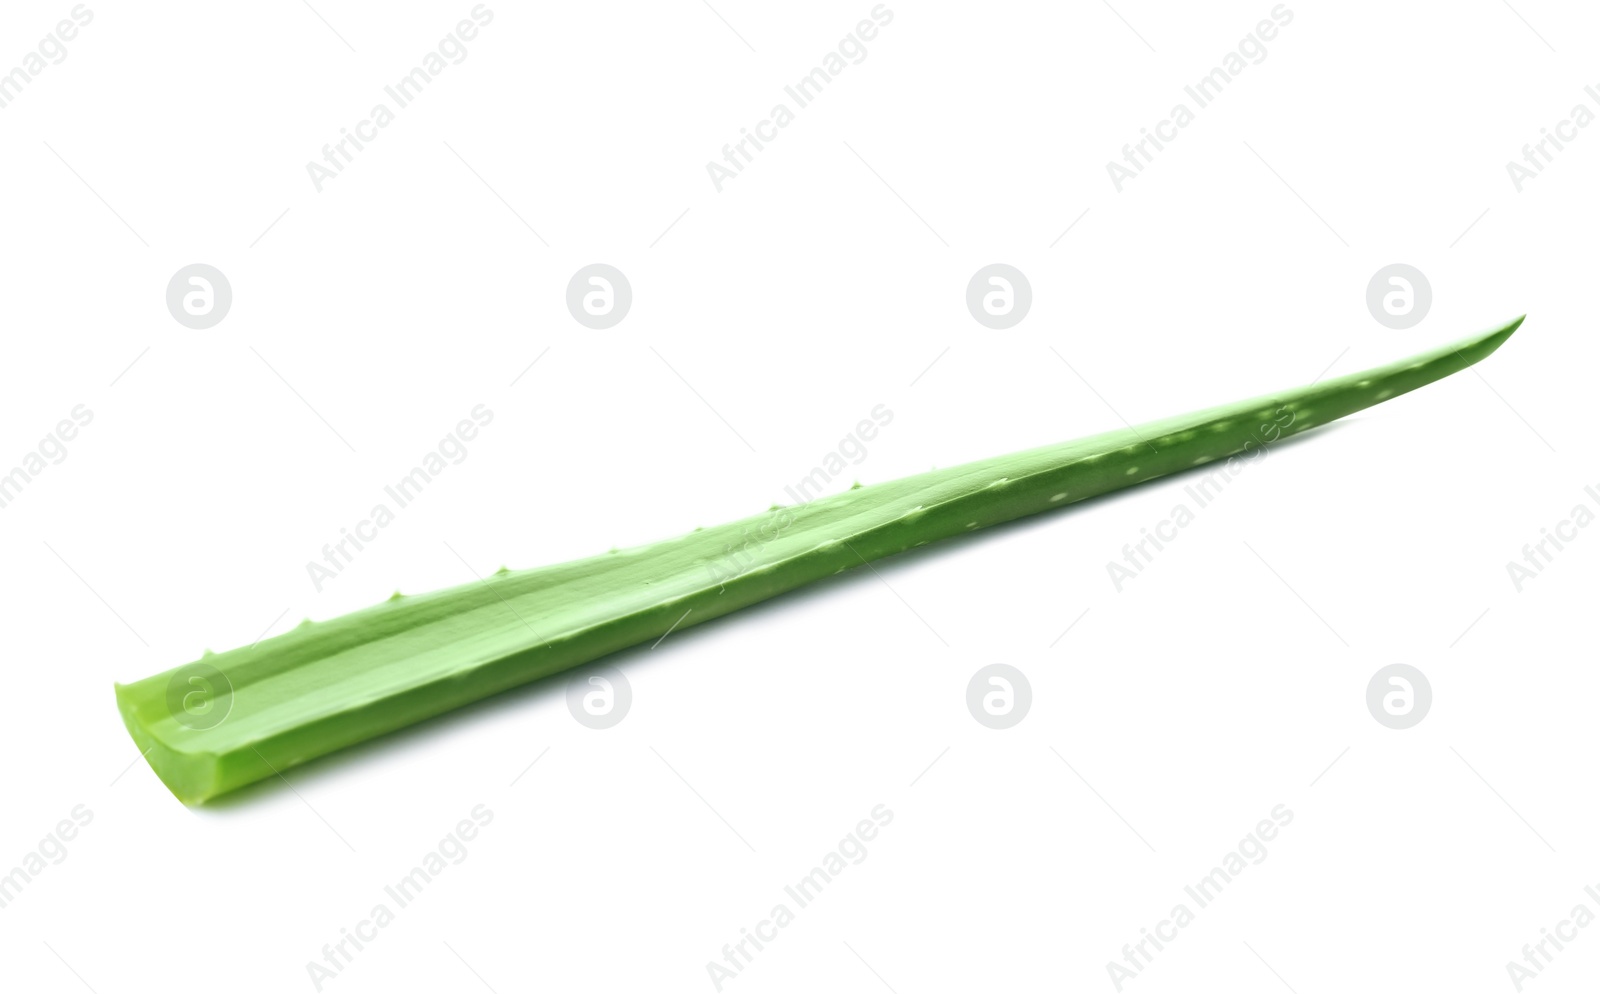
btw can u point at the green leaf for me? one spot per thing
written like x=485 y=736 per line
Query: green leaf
x=237 y=717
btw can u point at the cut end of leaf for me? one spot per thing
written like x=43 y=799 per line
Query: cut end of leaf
x=191 y=776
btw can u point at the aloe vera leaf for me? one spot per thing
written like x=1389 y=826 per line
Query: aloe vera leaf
x=240 y=716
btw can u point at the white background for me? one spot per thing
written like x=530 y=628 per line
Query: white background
x=767 y=321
